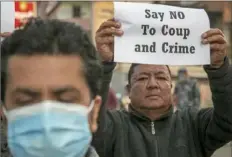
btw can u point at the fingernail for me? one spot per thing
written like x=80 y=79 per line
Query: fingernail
x=118 y=24
x=205 y=41
x=119 y=31
x=204 y=35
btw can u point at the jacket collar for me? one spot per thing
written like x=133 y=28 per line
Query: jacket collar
x=141 y=117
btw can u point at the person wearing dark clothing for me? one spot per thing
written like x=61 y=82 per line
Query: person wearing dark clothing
x=186 y=91
x=52 y=75
x=151 y=128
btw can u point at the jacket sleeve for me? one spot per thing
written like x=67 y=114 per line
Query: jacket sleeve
x=105 y=129
x=214 y=126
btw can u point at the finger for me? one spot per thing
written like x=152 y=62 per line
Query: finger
x=217 y=47
x=211 y=32
x=109 y=24
x=214 y=39
x=113 y=19
x=105 y=40
x=110 y=32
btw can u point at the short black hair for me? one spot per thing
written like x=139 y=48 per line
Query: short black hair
x=131 y=71
x=182 y=70
x=52 y=37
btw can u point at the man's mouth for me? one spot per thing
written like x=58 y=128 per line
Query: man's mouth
x=152 y=96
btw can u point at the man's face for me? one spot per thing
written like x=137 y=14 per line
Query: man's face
x=182 y=76
x=150 y=87
x=32 y=79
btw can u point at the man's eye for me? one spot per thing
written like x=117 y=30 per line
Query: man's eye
x=142 y=78
x=161 y=78
x=23 y=101
x=68 y=99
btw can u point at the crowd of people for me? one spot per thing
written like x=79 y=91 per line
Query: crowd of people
x=55 y=85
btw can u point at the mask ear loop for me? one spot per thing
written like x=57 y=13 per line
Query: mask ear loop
x=3 y=109
x=91 y=106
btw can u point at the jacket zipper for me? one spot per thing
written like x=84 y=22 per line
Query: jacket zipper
x=152 y=128
x=156 y=142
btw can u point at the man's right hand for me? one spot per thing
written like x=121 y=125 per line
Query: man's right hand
x=105 y=38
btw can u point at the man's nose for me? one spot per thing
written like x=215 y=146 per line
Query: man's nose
x=152 y=83
x=47 y=95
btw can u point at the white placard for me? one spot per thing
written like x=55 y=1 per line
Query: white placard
x=161 y=34
x=7 y=16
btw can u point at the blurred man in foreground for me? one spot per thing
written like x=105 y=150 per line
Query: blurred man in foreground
x=50 y=82
x=186 y=91
x=151 y=128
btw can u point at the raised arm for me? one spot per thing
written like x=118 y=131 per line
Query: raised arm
x=214 y=126
x=104 y=42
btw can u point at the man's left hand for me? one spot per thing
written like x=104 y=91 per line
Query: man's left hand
x=218 y=45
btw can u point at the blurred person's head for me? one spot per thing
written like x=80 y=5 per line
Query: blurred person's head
x=112 y=101
x=50 y=80
x=182 y=74
x=149 y=88
x=125 y=102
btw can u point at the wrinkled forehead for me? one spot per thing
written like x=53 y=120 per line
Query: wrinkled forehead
x=145 y=68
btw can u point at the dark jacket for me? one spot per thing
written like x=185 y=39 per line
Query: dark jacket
x=186 y=133
x=91 y=153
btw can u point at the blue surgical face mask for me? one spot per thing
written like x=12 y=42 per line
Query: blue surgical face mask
x=49 y=129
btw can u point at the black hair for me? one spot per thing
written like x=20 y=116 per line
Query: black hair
x=182 y=70
x=131 y=71
x=52 y=37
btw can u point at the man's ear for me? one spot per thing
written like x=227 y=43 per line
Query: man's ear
x=93 y=118
x=3 y=114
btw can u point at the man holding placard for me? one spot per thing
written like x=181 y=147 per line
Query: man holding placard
x=151 y=128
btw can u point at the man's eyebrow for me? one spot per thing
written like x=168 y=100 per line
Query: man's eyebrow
x=27 y=91
x=160 y=72
x=65 y=89
x=136 y=75
x=156 y=73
